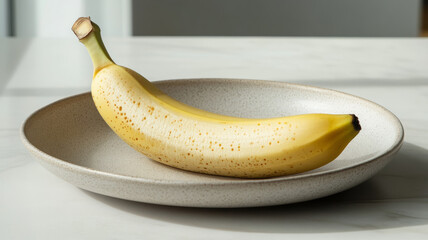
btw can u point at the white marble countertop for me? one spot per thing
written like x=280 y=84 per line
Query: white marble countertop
x=35 y=204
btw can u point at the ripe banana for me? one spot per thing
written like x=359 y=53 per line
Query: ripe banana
x=188 y=138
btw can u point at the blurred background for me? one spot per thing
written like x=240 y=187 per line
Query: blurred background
x=340 y=18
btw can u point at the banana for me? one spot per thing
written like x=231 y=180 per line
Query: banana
x=192 y=139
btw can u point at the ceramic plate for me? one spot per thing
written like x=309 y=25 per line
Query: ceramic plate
x=71 y=140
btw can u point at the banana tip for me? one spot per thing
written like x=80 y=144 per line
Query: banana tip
x=82 y=27
x=356 y=122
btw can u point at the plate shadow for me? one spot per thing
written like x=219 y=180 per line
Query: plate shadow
x=395 y=197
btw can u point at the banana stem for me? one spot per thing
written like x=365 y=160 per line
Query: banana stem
x=89 y=34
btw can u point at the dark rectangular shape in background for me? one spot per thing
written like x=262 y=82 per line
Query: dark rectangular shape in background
x=365 y=18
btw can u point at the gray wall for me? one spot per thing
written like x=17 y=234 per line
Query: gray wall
x=4 y=18
x=396 y=18
x=53 y=18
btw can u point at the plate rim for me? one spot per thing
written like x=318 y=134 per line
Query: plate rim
x=227 y=181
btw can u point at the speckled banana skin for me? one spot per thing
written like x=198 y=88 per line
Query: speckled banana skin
x=184 y=137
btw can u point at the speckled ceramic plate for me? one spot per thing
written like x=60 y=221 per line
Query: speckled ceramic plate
x=72 y=141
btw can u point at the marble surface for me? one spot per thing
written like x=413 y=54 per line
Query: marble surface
x=35 y=204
